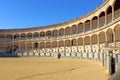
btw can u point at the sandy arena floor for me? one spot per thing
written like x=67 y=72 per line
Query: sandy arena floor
x=37 y=68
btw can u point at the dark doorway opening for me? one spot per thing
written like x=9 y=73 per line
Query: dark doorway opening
x=35 y=45
x=112 y=64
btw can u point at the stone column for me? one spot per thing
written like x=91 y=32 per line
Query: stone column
x=98 y=22
x=91 y=25
x=70 y=48
x=51 y=49
x=83 y=47
x=105 y=18
x=90 y=44
x=38 y=48
x=58 y=46
x=45 y=36
x=114 y=38
x=91 y=47
x=84 y=27
x=98 y=44
x=25 y=46
x=77 y=44
x=45 y=49
x=70 y=32
x=64 y=49
x=106 y=41
x=19 y=47
x=64 y=33
x=112 y=12
x=77 y=30
x=26 y=49
x=83 y=44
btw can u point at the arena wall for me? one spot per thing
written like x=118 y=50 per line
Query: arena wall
x=94 y=36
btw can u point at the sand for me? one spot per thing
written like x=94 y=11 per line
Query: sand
x=42 y=68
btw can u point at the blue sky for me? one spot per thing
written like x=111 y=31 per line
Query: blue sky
x=34 y=13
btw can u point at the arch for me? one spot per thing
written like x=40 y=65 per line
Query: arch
x=2 y=47
x=16 y=37
x=22 y=47
x=55 y=33
x=42 y=45
x=9 y=37
x=94 y=22
x=61 y=43
x=74 y=29
x=48 y=34
x=23 y=36
x=36 y=45
x=117 y=33
x=80 y=41
x=102 y=37
x=2 y=37
x=61 y=32
x=94 y=39
x=29 y=46
x=73 y=42
x=16 y=47
x=102 y=19
x=80 y=27
x=54 y=44
x=67 y=31
x=87 y=40
x=67 y=43
x=110 y=36
x=117 y=9
x=94 y=43
x=87 y=25
x=109 y=14
x=29 y=35
x=48 y=44
x=42 y=34
x=36 y=35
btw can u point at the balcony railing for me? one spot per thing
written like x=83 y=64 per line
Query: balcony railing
x=87 y=29
x=94 y=27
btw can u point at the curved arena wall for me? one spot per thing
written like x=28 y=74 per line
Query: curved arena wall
x=94 y=36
